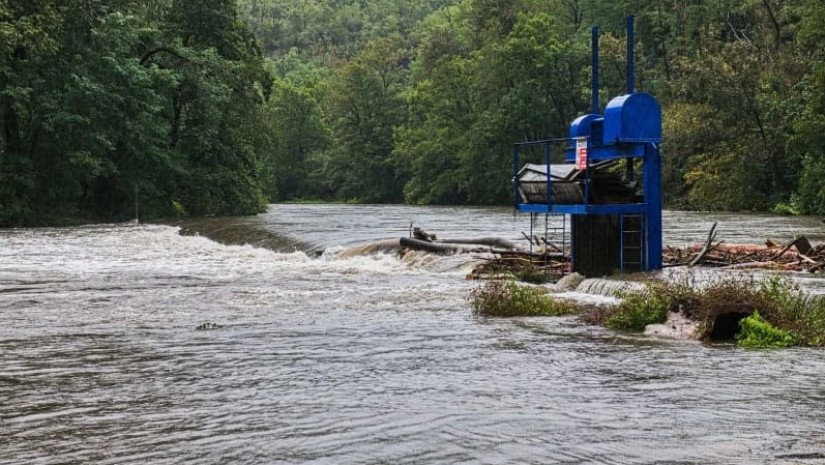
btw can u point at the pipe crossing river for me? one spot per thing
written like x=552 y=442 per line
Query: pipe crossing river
x=134 y=344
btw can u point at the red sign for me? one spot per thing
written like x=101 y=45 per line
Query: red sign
x=581 y=153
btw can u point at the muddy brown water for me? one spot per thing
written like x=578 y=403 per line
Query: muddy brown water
x=367 y=359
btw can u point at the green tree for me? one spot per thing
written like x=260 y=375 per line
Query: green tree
x=28 y=37
x=750 y=79
x=474 y=96
x=108 y=102
x=218 y=125
x=808 y=140
x=365 y=108
x=299 y=131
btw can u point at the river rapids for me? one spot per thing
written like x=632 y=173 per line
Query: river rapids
x=309 y=355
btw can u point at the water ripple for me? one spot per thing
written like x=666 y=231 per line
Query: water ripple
x=361 y=360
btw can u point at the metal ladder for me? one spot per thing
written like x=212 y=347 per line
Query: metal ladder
x=556 y=233
x=632 y=241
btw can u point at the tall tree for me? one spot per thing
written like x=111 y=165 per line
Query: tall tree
x=808 y=140
x=105 y=104
x=365 y=108
x=28 y=39
x=299 y=131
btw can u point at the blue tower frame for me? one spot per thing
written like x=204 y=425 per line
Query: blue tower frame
x=630 y=129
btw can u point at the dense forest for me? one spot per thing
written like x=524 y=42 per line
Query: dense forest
x=220 y=106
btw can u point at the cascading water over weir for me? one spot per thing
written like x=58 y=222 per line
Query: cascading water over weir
x=615 y=216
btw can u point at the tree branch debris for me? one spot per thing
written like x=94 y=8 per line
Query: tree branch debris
x=796 y=255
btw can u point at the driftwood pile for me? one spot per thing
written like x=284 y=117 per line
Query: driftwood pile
x=796 y=255
x=546 y=262
x=546 y=259
x=535 y=267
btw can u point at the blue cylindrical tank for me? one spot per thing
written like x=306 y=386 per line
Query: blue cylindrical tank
x=633 y=118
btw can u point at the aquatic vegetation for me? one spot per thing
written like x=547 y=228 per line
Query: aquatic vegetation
x=794 y=311
x=639 y=309
x=507 y=298
x=772 y=312
x=519 y=270
x=779 y=302
x=646 y=306
x=776 y=300
x=533 y=274
x=755 y=332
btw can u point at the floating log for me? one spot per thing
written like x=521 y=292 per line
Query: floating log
x=755 y=266
x=743 y=258
x=523 y=264
x=806 y=259
x=816 y=267
x=437 y=248
x=488 y=241
x=533 y=257
x=551 y=245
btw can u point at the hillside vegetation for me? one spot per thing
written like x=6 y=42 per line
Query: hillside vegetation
x=218 y=106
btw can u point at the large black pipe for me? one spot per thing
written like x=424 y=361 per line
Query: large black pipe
x=631 y=65
x=594 y=53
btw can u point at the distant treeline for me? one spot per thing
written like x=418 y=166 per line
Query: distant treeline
x=216 y=106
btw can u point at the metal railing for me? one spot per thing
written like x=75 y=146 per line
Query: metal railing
x=548 y=153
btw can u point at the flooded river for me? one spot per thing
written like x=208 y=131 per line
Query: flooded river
x=368 y=359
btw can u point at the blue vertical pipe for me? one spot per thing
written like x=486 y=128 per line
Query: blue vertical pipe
x=653 y=206
x=594 y=54
x=631 y=59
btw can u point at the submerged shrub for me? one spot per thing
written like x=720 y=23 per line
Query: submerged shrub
x=507 y=298
x=533 y=274
x=518 y=270
x=721 y=304
x=785 y=297
x=639 y=309
x=800 y=314
x=727 y=309
x=811 y=328
x=755 y=332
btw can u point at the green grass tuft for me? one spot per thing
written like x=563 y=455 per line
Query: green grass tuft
x=506 y=298
x=639 y=309
x=788 y=308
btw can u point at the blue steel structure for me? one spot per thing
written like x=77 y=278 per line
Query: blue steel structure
x=630 y=129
